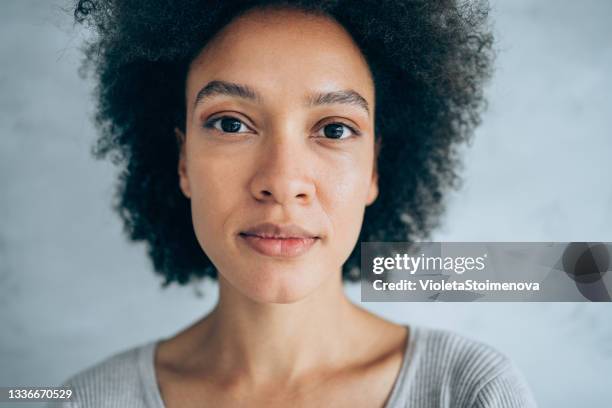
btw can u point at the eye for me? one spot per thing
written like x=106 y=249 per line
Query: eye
x=338 y=131
x=227 y=124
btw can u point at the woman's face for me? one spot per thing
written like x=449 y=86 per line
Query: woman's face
x=278 y=156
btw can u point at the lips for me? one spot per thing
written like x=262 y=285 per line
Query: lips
x=279 y=240
x=270 y=230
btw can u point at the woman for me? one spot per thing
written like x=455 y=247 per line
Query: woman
x=260 y=142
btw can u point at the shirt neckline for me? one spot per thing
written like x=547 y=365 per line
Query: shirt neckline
x=146 y=365
x=406 y=373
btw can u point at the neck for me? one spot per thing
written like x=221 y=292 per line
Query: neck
x=266 y=343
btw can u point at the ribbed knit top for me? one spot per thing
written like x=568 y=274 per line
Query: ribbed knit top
x=439 y=369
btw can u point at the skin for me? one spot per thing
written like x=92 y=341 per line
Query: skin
x=283 y=331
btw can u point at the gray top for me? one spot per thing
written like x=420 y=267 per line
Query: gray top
x=440 y=369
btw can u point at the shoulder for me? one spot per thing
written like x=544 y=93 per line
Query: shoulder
x=459 y=355
x=114 y=381
x=464 y=372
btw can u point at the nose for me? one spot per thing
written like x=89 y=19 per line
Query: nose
x=284 y=173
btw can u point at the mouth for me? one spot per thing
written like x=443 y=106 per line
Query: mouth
x=279 y=241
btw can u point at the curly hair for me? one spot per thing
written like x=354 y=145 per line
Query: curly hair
x=429 y=60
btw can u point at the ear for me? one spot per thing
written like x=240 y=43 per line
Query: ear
x=373 y=190
x=182 y=163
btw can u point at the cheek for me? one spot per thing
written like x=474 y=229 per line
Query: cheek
x=345 y=183
x=215 y=185
x=343 y=197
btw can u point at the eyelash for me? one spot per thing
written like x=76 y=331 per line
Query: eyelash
x=210 y=124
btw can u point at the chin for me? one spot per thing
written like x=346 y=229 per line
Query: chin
x=281 y=284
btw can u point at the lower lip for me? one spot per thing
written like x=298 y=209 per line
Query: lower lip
x=286 y=247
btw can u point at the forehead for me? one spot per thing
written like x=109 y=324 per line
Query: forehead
x=283 y=51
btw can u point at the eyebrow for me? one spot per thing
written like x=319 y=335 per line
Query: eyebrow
x=226 y=88
x=345 y=96
x=217 y=87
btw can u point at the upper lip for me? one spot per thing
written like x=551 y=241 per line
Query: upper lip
x=270 y=230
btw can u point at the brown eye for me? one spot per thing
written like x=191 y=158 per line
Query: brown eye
x=227 y=124
x=335 y=130
x=338 y=131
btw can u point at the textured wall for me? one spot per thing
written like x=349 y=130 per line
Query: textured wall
x=72 y=290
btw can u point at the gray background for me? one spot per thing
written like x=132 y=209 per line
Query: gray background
x=73 y=291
